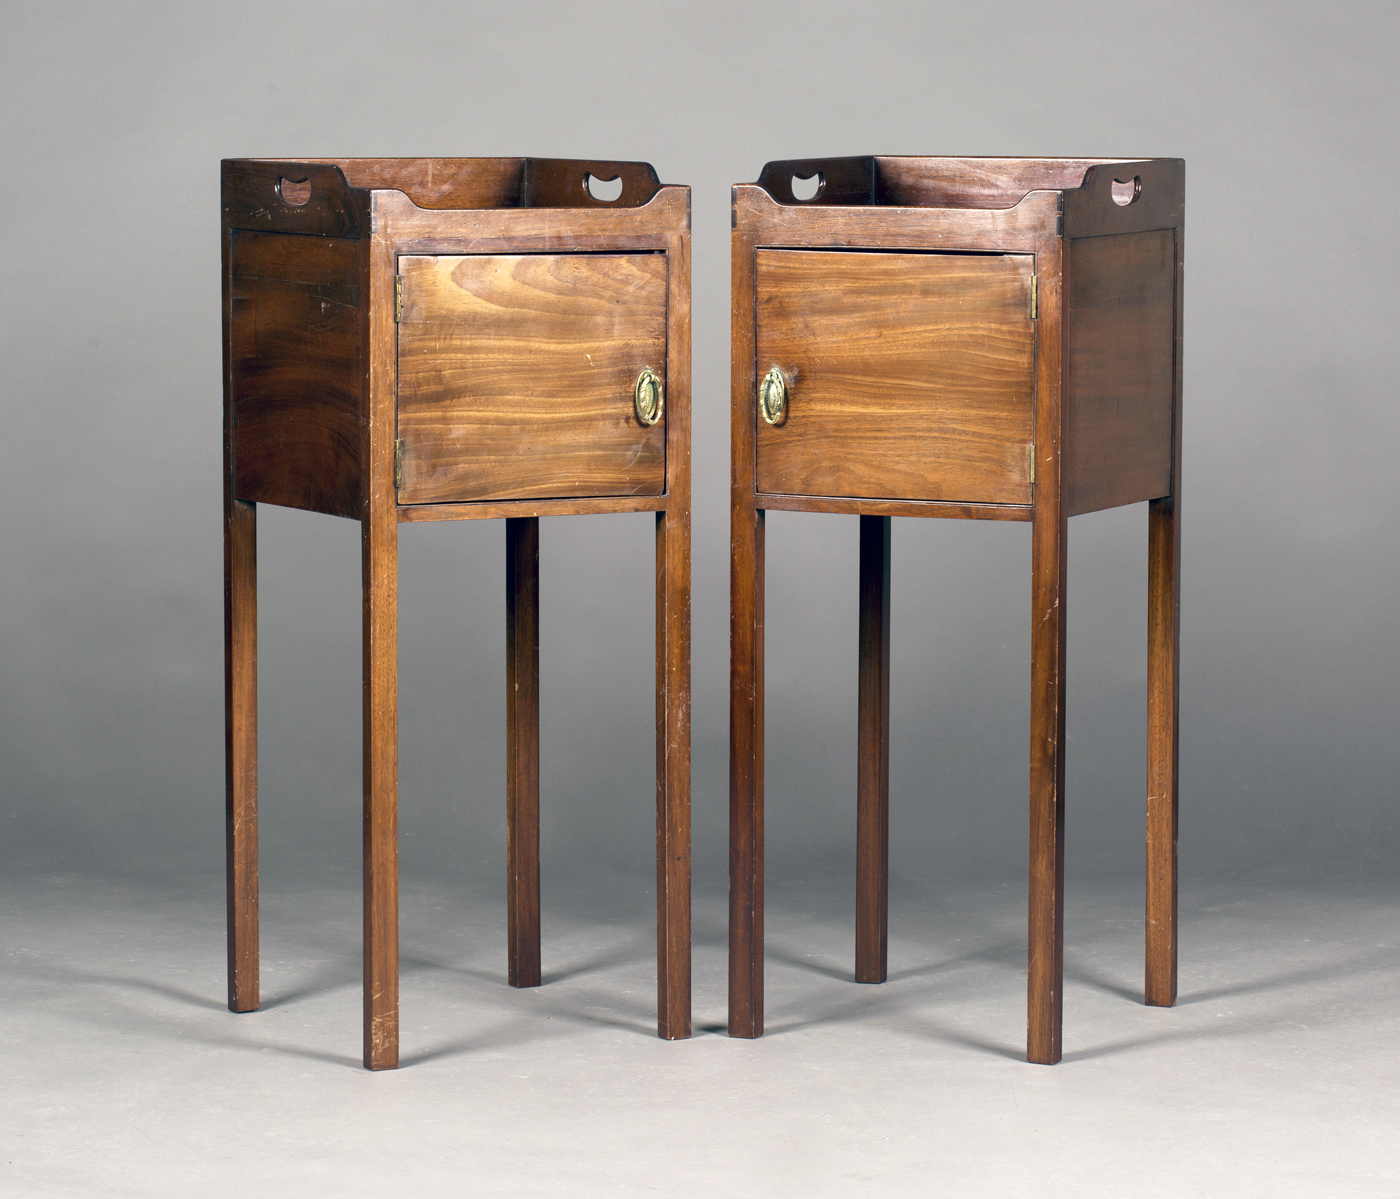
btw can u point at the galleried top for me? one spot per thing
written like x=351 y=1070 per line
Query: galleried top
x=901 y=182
x=317 y=193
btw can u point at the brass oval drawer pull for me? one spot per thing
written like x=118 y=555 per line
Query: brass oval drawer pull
x=649 y=397
x=772 y=396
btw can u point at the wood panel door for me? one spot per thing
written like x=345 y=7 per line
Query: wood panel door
x=909 y=375
x=517 y=374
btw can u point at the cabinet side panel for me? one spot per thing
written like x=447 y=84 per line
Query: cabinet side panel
x=297 y=355
x=1121 y=321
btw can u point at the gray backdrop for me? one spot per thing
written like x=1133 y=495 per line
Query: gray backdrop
x=115 y=118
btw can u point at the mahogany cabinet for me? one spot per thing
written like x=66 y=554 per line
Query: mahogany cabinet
x=976 y=338
x=456 y=339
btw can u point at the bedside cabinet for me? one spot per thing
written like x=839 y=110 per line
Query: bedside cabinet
x=456 y=339
x=975 y=338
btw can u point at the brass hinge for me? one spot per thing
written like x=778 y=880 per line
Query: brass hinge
x=398 y=465
x=398 y=299
x=1032 y=464
x=1033 y=291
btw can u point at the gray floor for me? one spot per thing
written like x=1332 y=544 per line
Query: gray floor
x=122 y=1072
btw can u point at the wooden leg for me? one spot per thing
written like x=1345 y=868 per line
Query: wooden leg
x=241 y=750
x=673 y=774
x=379 y=542
x=1163 y=633
x=746 y=775
x=1045 y=977
x=523 y=751
x=873 y=763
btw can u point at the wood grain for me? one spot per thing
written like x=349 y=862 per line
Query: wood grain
x=910 y=375
x=746 y=774
x=1163 y=703
x=516 y=375
x=295 y=336
x=673 y=916
x=241 y=752
x=1091 y=211
x=873 y=754
x=523 y=751
x=253 y=199
x=379 y=557
x=1049 y=575
x=746 y=554
x=972 y=183
x=1119 y=369
x=240 y=703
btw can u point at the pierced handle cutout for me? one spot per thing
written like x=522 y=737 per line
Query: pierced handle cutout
x=808 y=187
x=604 y=190
x=295 y=192
x=1126 y=191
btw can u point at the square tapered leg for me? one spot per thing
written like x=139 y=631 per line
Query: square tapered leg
x=746 y=775
x=873 y=755
x=523 y=751
x=673 y=773
x=241 y=750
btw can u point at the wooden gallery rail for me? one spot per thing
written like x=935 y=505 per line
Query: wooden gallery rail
x=978 y=338
x=456 y=339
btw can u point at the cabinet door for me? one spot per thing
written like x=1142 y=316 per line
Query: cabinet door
x=517 y=375
x=910 y=376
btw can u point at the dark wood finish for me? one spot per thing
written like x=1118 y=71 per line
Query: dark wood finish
x=746 y=563
x=523 y=751
x=317 y=246
x=335 y=200
x=240 y=705
x=516 y=376
x=296 y=337
x=1106 y=430
x=926 y=182
x=1119 y=369
x=1159 y=203
x=1046 y=892
x=253 y=199
x=746 y=551
x=241 y=751
x=909 y=375
x=1163 y=673
x=873 y=754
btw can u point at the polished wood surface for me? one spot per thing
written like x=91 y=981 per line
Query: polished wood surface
x=1046 y=874
x=295 y=335
x=241 y=751
x=523 y=751
x=379 y=531
x=746 y=550
x=925 y=182
x=873 y=754
x=1104 y=396
x=673 y=915
x=516 y=376
x=1120 y=299
x=317 y=246
x=909 y=375
x=1163 y=703
x=240 y=702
